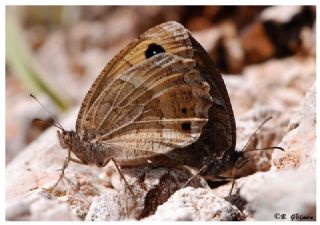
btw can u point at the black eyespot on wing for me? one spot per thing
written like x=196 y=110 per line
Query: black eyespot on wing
x=186 y=126
x=184 y=110
x=153 y=49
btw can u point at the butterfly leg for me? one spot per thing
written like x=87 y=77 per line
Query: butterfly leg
x=238 y=166
x=122 y=176
x=195 y=175
x=65 y=165
x=232 y=186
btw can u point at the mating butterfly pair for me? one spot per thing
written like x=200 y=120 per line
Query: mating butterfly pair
x=160 y=99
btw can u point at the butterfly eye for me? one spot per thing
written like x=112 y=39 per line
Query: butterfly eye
x=100 y=164
x=186 y=126
x=66 y=139
x=184 y=110
x=153 y=49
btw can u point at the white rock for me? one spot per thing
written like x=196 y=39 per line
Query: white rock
x=105 y=207
x=264 y=195
x=196 y=204
x=289 y=193
x=300 y=142
x=37 y=206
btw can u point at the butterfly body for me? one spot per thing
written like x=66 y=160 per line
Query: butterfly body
x=95 y=153
x=159 y=100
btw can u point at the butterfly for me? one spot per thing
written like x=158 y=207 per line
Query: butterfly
x=160 y=100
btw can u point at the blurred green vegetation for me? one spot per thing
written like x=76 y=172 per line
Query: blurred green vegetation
x=19 y=58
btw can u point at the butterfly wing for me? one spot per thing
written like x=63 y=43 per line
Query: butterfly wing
x=220 y=131
x=162 y=104
x=171 y=36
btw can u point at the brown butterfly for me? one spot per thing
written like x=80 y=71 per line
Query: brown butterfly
x=160 y=99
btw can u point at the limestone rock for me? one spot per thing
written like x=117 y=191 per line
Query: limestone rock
x=300 y=141
x=37 y=206
x=151 y=187
x=281 y=84
x=190 y=204
x=105 y=207
x=283 y=195
x=272 y=194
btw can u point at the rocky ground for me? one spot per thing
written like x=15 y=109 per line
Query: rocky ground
x=271 y=77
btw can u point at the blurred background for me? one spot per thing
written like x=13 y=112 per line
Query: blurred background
x=266 y=53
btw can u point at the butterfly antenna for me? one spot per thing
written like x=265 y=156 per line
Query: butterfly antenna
x=52 y=116
x=255 y=132
x=268 y=148
x=247 y=159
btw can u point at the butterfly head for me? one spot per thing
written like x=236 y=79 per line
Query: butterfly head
x=88 y=153
x=231 y=157
x=65 y=138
